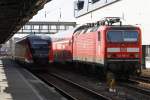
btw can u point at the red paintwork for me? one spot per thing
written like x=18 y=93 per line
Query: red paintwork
x=62 y=50
x=124 y=46
x=29 y=56
x=87 y=46
x=51 y=53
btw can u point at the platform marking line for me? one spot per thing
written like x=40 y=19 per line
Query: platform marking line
x=33 y=89
x=4 y=85
x=51 y=88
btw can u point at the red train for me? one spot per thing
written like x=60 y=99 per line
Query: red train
x=115 y=48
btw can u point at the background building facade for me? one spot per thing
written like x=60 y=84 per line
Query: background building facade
x=133 y=12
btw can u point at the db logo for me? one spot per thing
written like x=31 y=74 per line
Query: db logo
x=123 y=49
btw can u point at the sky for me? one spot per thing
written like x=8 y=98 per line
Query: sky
x=63 y=10
x=56 y=10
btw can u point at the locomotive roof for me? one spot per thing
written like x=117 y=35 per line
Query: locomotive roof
x=117 y=27
x=110 y=22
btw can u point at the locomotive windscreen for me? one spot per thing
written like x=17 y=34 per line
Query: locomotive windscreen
x=40 y=47
x=40 y=50
x=36 y=44
x=122 y=36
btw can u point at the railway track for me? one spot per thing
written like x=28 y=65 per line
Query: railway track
x=70 y=89
x=136 y=86
x=76 y=91
x=142 y=79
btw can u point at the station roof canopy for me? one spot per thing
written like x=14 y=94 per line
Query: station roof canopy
x=15 y=13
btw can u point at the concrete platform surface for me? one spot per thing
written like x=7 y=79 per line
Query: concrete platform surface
x=18 y=84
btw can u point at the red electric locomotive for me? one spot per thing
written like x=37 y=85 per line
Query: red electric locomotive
x=115 y=48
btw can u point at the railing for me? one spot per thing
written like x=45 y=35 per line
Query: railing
x=45 y=27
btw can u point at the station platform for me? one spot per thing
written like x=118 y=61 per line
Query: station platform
x=18 y=84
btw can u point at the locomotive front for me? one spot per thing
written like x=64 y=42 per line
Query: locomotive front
x=123 y=49
x=40 y=49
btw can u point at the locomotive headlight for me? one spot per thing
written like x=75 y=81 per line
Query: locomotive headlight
x=136 y=55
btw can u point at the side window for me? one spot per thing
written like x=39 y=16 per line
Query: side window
x=94 y=1
x=80 y=5
x=99 y=36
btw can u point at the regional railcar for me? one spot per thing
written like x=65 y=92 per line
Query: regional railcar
x=115 y=48
x=33 y=49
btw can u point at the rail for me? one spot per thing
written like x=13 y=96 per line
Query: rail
x=134 y=85
x=72 y=90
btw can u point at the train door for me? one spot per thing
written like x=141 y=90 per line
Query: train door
x=98 y=47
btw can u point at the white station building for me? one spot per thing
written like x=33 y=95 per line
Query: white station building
x=133 y=12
